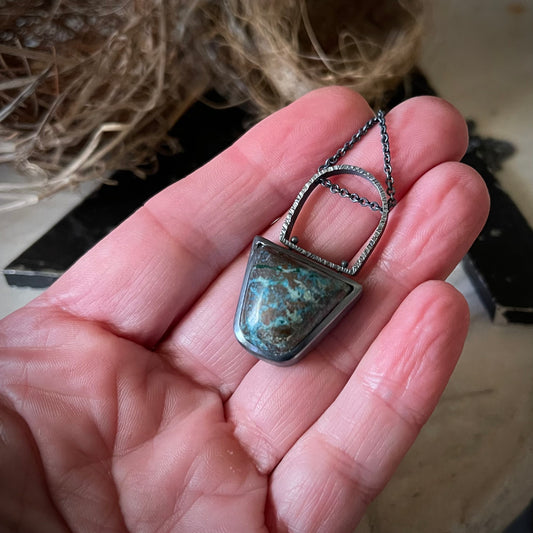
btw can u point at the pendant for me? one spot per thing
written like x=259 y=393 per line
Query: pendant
x=290 y=297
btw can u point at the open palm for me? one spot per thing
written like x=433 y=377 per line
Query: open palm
x=126 y=403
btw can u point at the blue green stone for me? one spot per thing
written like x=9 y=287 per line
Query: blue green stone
x=285 y=300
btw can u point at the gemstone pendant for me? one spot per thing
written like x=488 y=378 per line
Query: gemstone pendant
x=290 y=297
x=288 y=302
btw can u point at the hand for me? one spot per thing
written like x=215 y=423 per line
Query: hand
x=126 y=402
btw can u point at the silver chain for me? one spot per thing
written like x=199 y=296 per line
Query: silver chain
x=353 y=196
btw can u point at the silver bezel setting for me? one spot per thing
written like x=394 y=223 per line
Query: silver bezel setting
x=317 y=333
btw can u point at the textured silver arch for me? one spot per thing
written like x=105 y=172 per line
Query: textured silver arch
x=304 y=194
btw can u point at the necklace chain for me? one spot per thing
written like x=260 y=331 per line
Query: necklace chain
x=348 y=145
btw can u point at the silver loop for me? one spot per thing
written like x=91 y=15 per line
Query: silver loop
x=322 y=177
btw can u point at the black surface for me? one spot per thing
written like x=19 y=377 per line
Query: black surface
x=500 y=261
x=523 y=523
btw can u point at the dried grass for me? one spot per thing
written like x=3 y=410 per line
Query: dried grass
x=88 y=87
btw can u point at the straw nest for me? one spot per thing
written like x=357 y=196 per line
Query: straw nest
x=91 y=86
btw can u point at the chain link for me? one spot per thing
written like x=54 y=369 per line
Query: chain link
x=352 y=196
x=387 y=168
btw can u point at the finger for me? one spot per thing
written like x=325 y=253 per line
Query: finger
x=426 y=248
x=22 y=480
x=417 y=146
x=148 y=271
x=331 y=474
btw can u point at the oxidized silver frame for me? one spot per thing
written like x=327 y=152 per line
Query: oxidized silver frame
x=315 y=181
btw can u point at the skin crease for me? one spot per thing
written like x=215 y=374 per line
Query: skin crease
x=126 y=404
